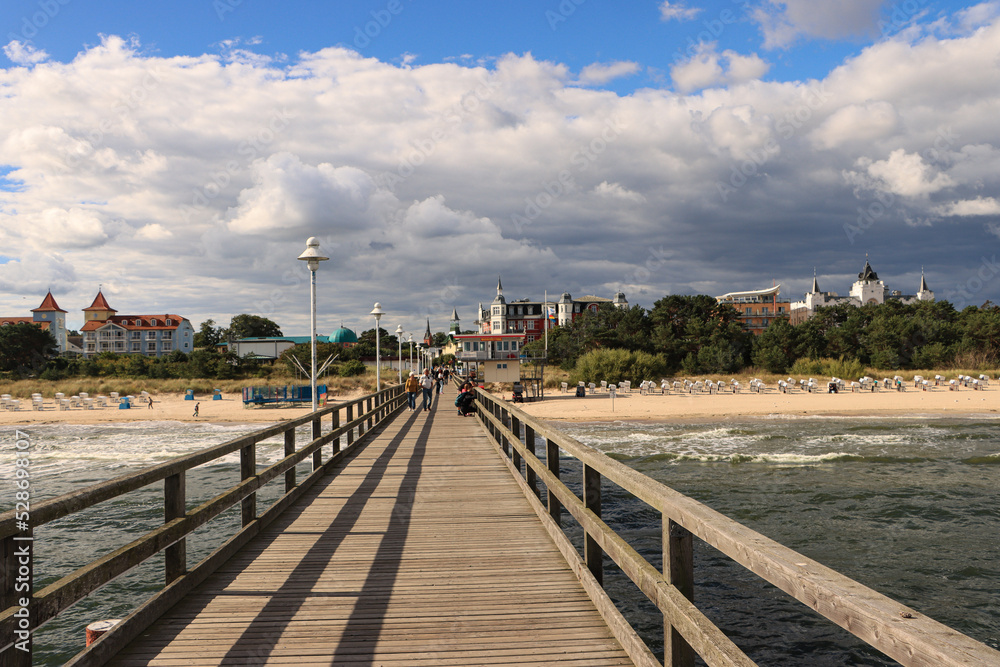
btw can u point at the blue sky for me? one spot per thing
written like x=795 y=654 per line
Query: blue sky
x=576 y=33
x=577 y=145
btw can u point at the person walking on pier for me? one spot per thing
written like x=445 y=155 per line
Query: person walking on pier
x=412 y=387
x=427 y=384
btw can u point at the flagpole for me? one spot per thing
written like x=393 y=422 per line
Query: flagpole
x=545 y=314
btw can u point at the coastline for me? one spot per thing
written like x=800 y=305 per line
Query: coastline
x=166 y=407
x=704 y=407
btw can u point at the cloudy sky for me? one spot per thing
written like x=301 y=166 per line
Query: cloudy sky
x=180 y=154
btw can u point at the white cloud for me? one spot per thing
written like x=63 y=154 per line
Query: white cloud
x=153 y=232
x=600 y=73
x=677 y=11
x=857 y=124
x=24 y=53
x=902 y=173
x=785 y=21
x=970 y=207
x=425 y=181
x=616 y=191
x=709 y=68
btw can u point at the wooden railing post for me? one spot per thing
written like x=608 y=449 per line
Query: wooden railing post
x=350 y=418
x=368 y=409
x=592 y=501
x=502 y=418
x=678 y=569
x=529 y=472
x=552 y=463
x=317 y=431
x=334 y=425
x=175 y=507
x=289 y=450
x=18 y=582
x=248 y=468
x=515 y=428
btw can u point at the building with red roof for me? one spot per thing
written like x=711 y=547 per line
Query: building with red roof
x=49 y=316
x=104 y=330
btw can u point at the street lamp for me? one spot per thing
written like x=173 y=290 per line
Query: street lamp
x=312 y=257
x=377 y=312
x=399 y=360
x=410 y=341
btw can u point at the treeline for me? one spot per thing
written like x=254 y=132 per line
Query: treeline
x=695 y=334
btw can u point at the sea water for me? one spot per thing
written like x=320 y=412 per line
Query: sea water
x=908 y=506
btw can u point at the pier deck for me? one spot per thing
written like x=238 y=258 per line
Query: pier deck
x=421 y=551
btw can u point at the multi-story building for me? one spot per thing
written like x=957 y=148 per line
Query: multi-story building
x=504 y=328
x=150 y=335
x=757 y=308
x=865 y=290
x=50 y=317
x=531 y=318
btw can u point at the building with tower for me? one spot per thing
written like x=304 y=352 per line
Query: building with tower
x=867 y=289
x=49 y=317
x=104 y=330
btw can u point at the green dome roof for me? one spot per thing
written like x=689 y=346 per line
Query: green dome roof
x=344 y=335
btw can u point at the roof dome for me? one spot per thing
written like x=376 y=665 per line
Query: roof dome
x=343 y=335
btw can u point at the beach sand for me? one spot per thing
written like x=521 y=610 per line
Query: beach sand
x=940 y=401
x=166 y=407
x=558 y=406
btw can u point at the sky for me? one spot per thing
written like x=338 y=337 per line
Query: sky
x=178 y=155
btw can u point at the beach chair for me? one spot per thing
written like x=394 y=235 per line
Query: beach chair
x=564 y=386
x=664 y=386
x=592 y=387
x=642 y=388
x=113 y=397
x=88 y=403
x=64 y=404
x=625 y=386
x=101 y=400
x=604 y=385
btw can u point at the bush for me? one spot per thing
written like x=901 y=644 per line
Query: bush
x=617 y=365
x=845 y=369
x=351 y=368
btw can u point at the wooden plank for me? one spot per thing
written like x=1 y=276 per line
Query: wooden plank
x=421 y=551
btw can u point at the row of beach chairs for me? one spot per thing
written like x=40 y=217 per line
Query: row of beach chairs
x=82 y=400
x=790 y=385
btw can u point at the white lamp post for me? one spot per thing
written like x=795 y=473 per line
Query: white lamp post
x=410 y=341
x=377 y=312
x=312 y=256
x=399 y=360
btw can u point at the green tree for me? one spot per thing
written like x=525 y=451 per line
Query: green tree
x=208 y=335
x=252 y=326
x=25 y=348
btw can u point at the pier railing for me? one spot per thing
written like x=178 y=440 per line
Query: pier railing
x=351 y=421
x=901 y=633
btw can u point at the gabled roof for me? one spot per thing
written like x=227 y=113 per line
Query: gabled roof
x=23 y=320
x=138 y=322
x=48 y=304
x=100 y=303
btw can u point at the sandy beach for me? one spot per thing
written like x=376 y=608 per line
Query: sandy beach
x=558 y=406
x=939 y=401
x=166 y=407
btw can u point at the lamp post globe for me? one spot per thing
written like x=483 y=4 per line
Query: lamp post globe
x=377 y=312
x=312 y=257
x=399 y=359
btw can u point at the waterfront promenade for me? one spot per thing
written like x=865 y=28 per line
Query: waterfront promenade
x=421 y=551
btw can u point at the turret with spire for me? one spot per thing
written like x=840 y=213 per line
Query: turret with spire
x=454 y=329
x=498 y=311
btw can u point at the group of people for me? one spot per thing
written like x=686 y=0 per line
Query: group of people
x=429 y=383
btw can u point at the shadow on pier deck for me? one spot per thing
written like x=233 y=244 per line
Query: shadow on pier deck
x=421 y=551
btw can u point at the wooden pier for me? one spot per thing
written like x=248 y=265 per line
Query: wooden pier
x=421 y=551
x=426 y=538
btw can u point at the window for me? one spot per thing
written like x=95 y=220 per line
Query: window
x=513 y=345
x=151 y=346
x=152 y=322
x=135 y=347
x=781 y=309
x=167 y=335
x=136 y=335
x=169 y=322
x=167 y=346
